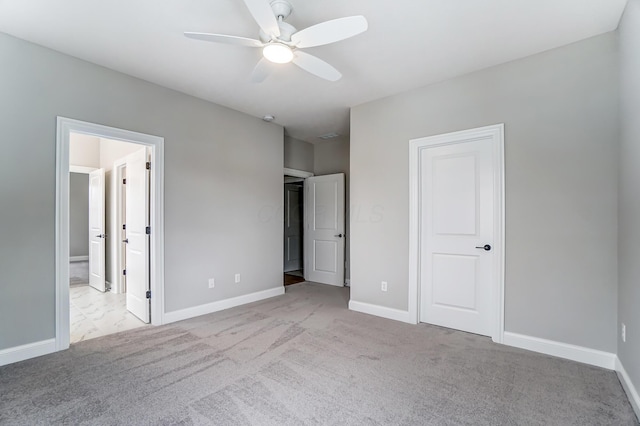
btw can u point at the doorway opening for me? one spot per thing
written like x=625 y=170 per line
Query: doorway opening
x=293 y=230
x=99 y=301
x=107 y=287
x=293 y=267
x=314 y=228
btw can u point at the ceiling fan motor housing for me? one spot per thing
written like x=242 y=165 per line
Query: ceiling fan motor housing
x=281 y=8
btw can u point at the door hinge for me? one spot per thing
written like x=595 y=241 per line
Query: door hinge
x=124 y=272
x=124 y=181
x=148 y=165
x=148 y=230
x=124 y=226
x=148 y=294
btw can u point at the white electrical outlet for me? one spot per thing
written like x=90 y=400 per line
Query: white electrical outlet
x=212 y=283
x=237 y=278
x=383 y=287
x=624 y=333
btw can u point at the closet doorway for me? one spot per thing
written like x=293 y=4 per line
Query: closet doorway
x=293 y=267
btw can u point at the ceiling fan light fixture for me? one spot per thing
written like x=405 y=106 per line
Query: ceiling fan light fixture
x=278 y=53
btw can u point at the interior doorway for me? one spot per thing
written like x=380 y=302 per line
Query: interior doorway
x=100 y=303
x=314 y=228
x=293 y=230
x=293 y=267
x=121 y=158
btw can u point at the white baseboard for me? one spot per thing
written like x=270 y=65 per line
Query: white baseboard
x=380 y=311
x=562 y=350
x=78 y=258
x=221 y=305
x=632 y=392
x=31 y=350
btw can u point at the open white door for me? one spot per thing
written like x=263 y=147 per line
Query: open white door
x=324 y=229
x=137 y=247
x=96 y=230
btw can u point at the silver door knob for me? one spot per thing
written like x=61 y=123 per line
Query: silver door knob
x=126 y=240
x=339 y=235
x=485 y=247
x=101 y=236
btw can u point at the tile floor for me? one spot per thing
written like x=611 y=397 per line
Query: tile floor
x=93 y=313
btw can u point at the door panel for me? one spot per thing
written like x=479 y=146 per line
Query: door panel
x=454 y=186
x=96 y=230
x=137 y=247
x=457 y=216
x=325 y=213
x=324 y=229
x=454 y=281
x=325 y=255
x=292 y=227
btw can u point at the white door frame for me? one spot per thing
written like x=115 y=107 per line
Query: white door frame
x=66 y=126
x=495 y=132
x=297 y=173
x=81 y=169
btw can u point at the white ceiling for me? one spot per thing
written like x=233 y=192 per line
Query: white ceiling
x=410 y=43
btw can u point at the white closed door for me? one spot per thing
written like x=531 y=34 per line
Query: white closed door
x=457 y=232
x=324 y=235
x=292 y=227
x=96 y=230
x=137 y=239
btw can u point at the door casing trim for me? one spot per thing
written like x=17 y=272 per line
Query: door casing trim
x=66 y=126
x=496 y=133
x=297 y=173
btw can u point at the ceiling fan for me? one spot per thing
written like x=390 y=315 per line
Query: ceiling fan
x=281 y=43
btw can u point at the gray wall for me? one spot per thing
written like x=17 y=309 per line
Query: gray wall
x=78 y=214
x=298 y=154
x=332 y=156
x=629 y=207
x=560 y=110
x=223 y=184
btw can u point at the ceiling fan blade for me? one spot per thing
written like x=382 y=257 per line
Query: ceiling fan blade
x=228 y=39
x=330 y=31
x=316 y=66
x=263 y=15
x=261 y=71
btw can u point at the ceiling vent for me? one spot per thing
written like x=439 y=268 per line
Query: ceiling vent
x=328 y=136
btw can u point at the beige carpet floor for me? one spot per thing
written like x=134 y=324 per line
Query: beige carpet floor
x=304 y=359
